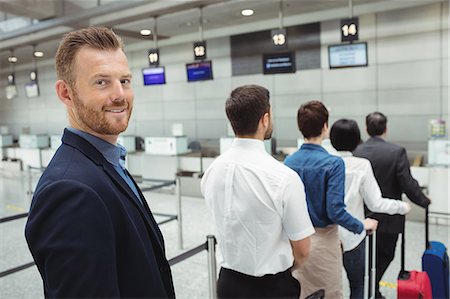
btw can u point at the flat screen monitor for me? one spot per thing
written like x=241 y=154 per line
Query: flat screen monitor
x=276 y=63
x=154 y=75
x=347 y=55
x=199 y=71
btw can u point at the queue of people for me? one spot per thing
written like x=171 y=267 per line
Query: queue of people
x=252 y=202
x=279 y=227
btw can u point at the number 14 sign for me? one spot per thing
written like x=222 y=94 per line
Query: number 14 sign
x=349 y=29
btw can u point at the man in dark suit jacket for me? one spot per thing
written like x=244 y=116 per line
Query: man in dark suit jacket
x=391 y=168
x=90 y=230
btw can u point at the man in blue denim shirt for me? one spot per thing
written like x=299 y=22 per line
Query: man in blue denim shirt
x=324 y=178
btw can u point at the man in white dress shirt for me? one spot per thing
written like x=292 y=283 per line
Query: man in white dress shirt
x=258 y=206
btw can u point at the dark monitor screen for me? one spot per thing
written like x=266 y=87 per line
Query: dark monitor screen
x=199 y=71
x=276 y=63
x=154 y=75
x=347 y=55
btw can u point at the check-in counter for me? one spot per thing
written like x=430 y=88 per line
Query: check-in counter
x=29 y=157
x=435 y=181
x=160 y=167
x=34 y=141
x=46 y=156
x=6 y=140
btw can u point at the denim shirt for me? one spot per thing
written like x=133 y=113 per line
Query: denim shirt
x=324 y=178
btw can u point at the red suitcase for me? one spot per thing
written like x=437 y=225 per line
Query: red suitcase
x=412 y=284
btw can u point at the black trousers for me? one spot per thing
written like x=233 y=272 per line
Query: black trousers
x=386 y=244
x=232 y=284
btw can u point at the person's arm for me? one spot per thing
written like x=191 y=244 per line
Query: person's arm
x=408 y=184
x=335 y=205
x=300 y=249
x=70 y=235
x=296 y=221
x=371 y=193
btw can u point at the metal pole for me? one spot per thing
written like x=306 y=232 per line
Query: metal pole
x=200 y=24
x=212 y=268
x=366 y=270
x=155 y=32
x=350 y=9
x=280 y=14
x=30 y=183
x=374 y=260
x=179 y=213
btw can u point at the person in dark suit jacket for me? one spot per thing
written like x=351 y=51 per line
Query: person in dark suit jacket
x=90 y=230
x=392 y=171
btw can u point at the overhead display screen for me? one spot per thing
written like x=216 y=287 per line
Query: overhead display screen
x=276 y=63
x=154 y=75
x=199 y=71
x=347 y=55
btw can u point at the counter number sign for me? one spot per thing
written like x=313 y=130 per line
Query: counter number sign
x=349 y=29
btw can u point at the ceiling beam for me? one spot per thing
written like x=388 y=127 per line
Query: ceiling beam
x=29 y=8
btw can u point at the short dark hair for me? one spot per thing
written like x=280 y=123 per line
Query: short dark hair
x=376 y=123
x=311 y=117
x=100 y=38
x=345 y=135
x=245 y=107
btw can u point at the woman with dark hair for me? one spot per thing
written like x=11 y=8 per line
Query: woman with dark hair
x=361 y=188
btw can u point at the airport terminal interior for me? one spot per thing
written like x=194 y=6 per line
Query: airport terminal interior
x=356 y=56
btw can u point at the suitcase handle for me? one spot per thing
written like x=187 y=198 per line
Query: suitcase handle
x=427 y=231
x=370 y=293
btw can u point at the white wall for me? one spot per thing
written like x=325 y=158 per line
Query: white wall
x=407 y=79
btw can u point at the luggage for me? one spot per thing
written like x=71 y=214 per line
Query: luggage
x=412 y=284
x=435 y=263
x=371 y=294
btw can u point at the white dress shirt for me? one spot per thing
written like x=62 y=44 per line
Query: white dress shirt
x=258 y=205
x=362 y=187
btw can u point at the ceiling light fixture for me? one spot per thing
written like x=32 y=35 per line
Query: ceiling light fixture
x=145 y=32
x=247 y=12
x=12 y=59
x=38 y=54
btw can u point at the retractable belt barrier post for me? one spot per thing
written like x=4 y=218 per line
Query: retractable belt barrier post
x=212 y=267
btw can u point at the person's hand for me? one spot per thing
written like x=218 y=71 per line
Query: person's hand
x=370 y=225
x=406 y=208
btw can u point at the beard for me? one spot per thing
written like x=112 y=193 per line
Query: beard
x=96 y=120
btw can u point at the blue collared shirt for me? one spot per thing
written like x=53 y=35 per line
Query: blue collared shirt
x=114 y=154
x=324 y=178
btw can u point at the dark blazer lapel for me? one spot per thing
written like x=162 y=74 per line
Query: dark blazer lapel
x=149 y=213
x=132 y=197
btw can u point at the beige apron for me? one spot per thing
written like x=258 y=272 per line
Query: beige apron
x=323 y=268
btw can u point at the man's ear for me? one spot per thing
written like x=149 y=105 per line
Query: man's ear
x=265 y=119
x=64 y=93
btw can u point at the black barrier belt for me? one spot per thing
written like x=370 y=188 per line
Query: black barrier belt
x=171 y=217
x=172 y=261
x=188 y=254
x=16 y=269
x=166 y=183
x=14 y=217
x=143 y=180
x=168 y=220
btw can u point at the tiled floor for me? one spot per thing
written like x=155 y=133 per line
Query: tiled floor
x=190 y=276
